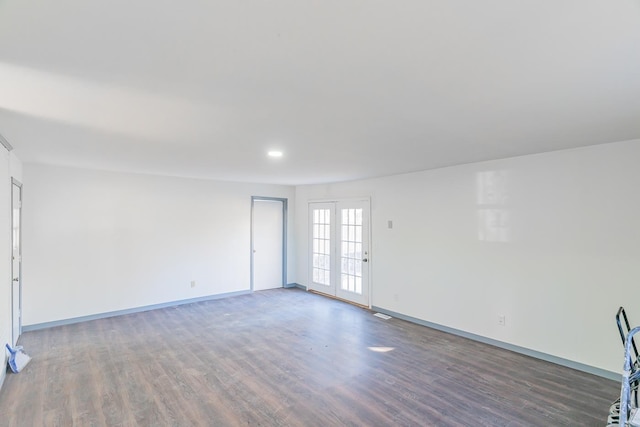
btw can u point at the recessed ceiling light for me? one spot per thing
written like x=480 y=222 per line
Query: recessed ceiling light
x=274 y=153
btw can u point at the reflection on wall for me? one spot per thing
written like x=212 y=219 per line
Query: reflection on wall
x=493 y=197
x=493 y=225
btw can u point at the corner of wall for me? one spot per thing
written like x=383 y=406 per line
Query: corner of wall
x=295 y=285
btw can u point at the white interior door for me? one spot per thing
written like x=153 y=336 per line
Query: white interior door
x=268 y=244
x=16 y=256
x=339 y=249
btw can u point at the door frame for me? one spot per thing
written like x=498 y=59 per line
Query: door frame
x=337 y=200
x=284 y=236
x=15 y=183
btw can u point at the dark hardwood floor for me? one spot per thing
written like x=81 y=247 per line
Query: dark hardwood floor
x=286 y=358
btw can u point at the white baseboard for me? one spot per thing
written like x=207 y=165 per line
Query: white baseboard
x=296 y=285
x=517 y=349
x=71 y=321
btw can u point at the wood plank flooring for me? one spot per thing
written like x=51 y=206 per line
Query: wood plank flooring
x=286 y=357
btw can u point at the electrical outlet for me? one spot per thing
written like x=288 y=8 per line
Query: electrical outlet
x=193 y=283
x=501 y=320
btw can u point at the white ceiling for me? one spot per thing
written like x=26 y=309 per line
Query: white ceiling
x=347 y=89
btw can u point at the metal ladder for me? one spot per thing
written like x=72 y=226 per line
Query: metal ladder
x=625 y=407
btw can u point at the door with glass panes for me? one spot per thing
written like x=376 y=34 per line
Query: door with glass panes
x=339 y=249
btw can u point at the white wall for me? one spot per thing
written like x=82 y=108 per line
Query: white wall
x=10 y=166
x=551 y=241
x=97 y=242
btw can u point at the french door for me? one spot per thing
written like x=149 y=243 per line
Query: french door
x=339 y=249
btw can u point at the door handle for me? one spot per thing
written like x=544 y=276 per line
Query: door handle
x=16 y=279
x=365 y=260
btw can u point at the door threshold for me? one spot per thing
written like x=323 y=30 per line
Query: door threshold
x=313 y=291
